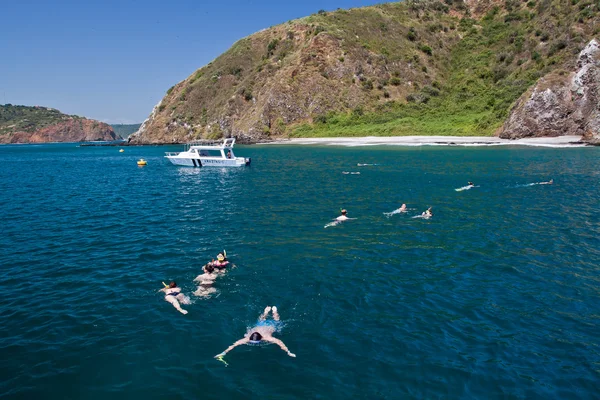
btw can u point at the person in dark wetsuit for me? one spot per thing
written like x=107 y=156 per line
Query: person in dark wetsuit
x=261 y=332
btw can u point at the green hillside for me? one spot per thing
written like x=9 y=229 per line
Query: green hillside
x=415 y=67
x=28 y=119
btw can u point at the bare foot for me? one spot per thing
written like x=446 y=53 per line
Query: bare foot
x=267 y=309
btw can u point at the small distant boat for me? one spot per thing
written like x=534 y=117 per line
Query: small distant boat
x=208 y=154
x=141 y=162
x=120 y=151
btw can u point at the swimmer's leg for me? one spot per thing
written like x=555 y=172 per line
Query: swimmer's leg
x=263 y=316
x=275 y=313
x=175 y=303
x=183 y=299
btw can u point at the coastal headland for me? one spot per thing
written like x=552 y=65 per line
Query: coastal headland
x=421 y=67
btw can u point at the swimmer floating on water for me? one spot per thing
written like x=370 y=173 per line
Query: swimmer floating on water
x=174 y=296
x=550 y=182
x=402 y=209
x=262 y=332
x=340 y=219
x=206 y=281
x=427 y=213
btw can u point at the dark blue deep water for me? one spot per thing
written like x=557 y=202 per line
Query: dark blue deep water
x=496 y=297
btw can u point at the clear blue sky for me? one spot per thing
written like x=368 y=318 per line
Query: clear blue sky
x=114 y=60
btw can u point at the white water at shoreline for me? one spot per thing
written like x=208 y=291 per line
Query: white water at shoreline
x=467 y=141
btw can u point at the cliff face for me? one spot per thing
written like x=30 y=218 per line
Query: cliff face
x=561 y=103
x=411 y=67
x=21 y=124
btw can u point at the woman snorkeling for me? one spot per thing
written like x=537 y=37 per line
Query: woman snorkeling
x=262 y=332
x=174 y=296
x=221 y=261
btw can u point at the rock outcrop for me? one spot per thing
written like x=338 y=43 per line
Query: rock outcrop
x=561 y=103
x=22 y=124
x=80 y=130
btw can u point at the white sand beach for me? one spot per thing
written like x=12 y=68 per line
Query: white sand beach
x=561 y=141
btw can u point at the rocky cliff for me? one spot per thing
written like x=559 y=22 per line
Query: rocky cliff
x=561 y=103
x=22 y=124
x=412 y=67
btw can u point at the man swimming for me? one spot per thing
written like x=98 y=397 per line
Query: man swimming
x=470 y=183
x=206 y=281
x=550 y=182
x=262 y=332
x=173 y=295
x=342 y=217
x=338 y=220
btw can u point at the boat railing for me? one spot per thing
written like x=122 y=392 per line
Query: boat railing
x=171 y=153
x=205 y=142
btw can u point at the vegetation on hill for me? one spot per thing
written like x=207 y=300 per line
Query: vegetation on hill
x=28 y=119
x=415 y=67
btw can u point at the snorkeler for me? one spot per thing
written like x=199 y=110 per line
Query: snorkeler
x=427 y=213
x=470 y=183
x=221 y=262
x=550 y=182
x=262 y=332
x=173 y=295
x=206 y=281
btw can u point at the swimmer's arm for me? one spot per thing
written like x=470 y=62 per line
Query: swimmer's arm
x=280 y=344
x=239 y=342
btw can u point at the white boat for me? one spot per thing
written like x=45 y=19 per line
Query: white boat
x=204 y=153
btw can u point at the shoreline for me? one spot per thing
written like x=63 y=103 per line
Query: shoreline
x=414 y=141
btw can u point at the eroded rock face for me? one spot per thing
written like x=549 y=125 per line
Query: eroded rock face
x=73 y=130
x=561 y=103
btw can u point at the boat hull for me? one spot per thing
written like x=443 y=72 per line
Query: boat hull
x=208 y=161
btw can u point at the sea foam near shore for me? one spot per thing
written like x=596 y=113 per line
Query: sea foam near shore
x=476 y=141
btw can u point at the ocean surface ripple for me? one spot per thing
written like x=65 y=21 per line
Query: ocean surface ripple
x=497 y=296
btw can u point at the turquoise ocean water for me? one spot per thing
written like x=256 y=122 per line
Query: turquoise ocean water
x=496 y=297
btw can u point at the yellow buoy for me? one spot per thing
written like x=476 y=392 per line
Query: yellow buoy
x=120 y=151
x=141 y=162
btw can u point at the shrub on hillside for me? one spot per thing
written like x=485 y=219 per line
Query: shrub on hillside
x=411 y=35
x=419 y=98
x=426 y=49
x=272 y=46
x=431 y=91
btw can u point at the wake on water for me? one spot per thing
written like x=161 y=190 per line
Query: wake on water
x=465 y=188
x=421 y=216
x=351 y=173
x=532 y=184
x=397 y=211
x=336 y=222
x=365 y=165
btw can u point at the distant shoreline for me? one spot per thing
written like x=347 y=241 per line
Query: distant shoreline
x=410 y=141
x=469 y=141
